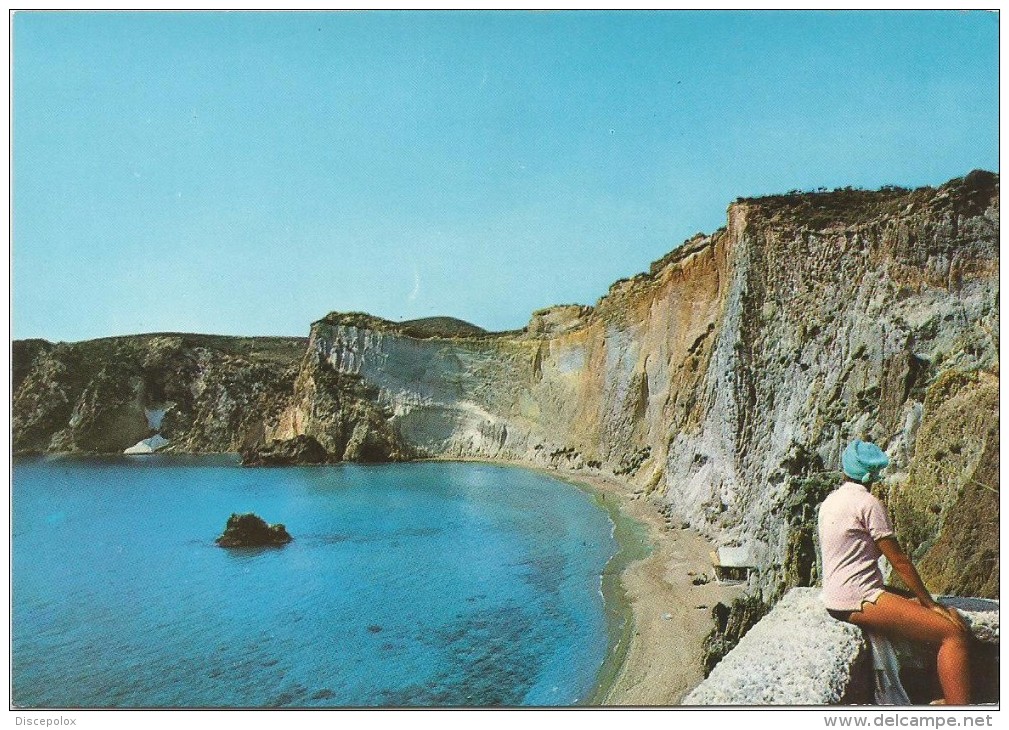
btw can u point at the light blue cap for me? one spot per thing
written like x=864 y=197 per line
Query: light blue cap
x=862 y=460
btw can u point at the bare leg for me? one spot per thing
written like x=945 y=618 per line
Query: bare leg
x=896 y=616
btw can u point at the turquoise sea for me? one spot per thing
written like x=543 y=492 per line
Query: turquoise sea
x=431 y=584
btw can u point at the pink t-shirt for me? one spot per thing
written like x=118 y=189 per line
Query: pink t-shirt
x=850 y=522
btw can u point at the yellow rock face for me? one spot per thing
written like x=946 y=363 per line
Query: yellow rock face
x=727 y=377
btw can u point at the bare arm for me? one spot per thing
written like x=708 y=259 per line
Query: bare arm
x=893 y=552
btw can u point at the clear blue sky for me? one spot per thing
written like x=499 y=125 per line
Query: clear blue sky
x=248 y=173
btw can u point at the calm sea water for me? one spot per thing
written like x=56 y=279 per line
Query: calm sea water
x=422 y=584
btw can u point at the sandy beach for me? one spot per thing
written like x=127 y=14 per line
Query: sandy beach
x=671 y=615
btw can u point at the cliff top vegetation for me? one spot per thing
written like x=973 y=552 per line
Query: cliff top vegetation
x=263 y=349
x=822 y=208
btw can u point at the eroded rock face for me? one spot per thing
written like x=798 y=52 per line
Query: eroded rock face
x=217 y=394
x=947 y=510
x=250 y=530
x=836 y=332
x=342 y=413
x=292 y=452
x=726 y=381
x=95 y=396
x=731 y=624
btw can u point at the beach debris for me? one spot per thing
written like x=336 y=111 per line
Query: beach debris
x=251 y=530
x=667 y=616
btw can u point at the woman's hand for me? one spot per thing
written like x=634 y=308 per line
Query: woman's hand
x=901 y=563
x=950 y=614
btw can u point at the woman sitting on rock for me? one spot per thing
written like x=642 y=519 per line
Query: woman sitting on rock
x=854 y=531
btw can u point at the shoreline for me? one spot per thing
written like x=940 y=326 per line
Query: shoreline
x=657 y=659
x=633 y=546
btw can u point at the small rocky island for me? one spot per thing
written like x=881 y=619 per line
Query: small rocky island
x=251 y=530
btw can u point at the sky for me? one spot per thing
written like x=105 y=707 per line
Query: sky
x=246 y=173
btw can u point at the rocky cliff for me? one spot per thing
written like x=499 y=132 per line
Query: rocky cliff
x=723 y=383
x=203 y=393
x=726 y=380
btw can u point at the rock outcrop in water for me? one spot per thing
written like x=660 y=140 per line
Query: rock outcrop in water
x=292 y=452
x=250 y=530
x=723 y=383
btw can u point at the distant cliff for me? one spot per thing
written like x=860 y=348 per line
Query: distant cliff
x=723 y=383
x=216 y=393
x=210 y=394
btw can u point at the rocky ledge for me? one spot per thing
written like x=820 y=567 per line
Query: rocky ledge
x=799 y=655
x=296 y=451
x=251 y=530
